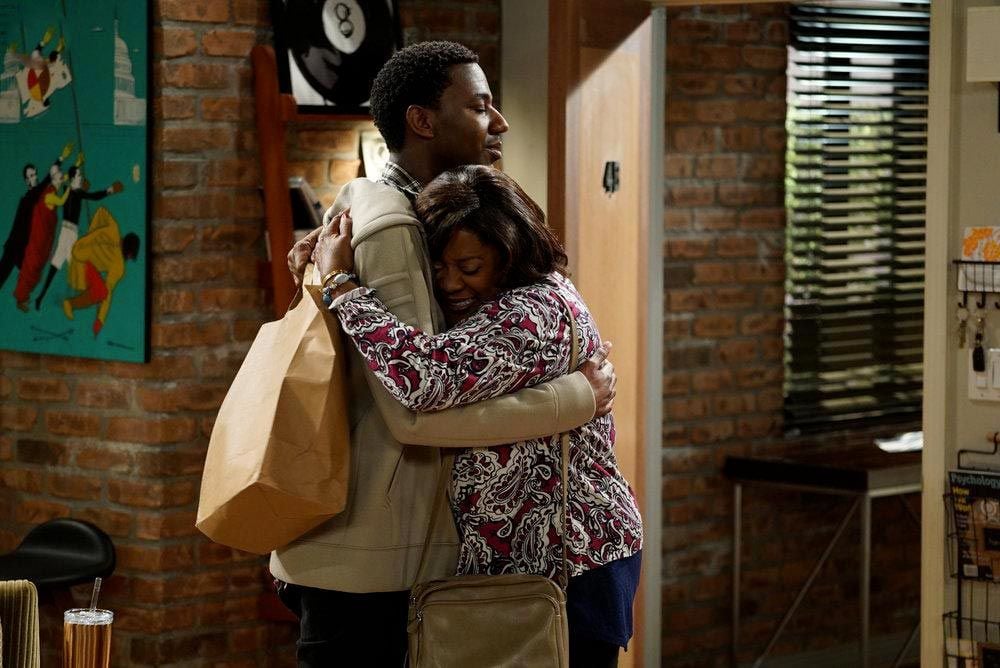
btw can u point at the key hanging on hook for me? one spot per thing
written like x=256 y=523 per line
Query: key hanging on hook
x=978 y=354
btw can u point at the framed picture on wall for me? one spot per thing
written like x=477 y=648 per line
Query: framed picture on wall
x=74 y=178
x=329 y=51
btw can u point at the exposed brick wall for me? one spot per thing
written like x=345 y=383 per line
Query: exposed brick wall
x=724 y=274
x=122 y=445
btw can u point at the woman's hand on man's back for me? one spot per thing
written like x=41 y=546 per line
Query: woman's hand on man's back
x=600 y=373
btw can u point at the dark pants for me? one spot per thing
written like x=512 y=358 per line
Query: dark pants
x=343 y=629
x=586 y=651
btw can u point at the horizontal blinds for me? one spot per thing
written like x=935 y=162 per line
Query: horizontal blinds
x=856 y=167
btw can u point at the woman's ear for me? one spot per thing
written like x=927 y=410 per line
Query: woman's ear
x=420 y=120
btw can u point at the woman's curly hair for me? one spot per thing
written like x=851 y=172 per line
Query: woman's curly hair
x=417 y=75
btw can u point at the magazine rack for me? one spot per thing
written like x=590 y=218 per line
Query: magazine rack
x=972 y=509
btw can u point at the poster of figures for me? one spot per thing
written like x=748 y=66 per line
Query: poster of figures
x=74 y=177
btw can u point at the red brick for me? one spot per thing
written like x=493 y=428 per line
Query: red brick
x=717 y=167
x=744 y=194
x=195 y=140
x=763 y=219
x=313 y=171
x=172 y=238
x=174 y=107
x=49 y=390
x=188 y=269
x=222 y=364
x=155 y=559
x=197 y=396
x=161 y=430
x=13 y=360
x=17 y=418
x=230 y=236
x=733 y=298
x=743 y=31
x=176 y=173
x=163 y=366
x=677 y=327
x=233 y=172
x=174 y=42
x=765 y=57
x=718 y=111
x=765 y=167
x=147 y=494
x=777 y=32
x=36 y=511
x=103 y=458
x=677 y=219
x=175 y=462
x=322 y=142
x=733 y=404
x=715 y=326
x=676 y=382
x=770 y=400
x=737 y=351
x=715 y=219
x=249 y=206
x=690 y=195
x=762 y=110
x=113 y=522
x=774 y=139
x=678 y=166
x=189 y=334
x=175 y=524
x=230 y=299
x=211 y=554
x=246 y=330
x=761 y=272
x=71 y=423
x=686 y=29
x=6 y=387
x=228 y=42
x=172 y=301
x=221 y=109
x=758 y=376
x=689 y=248
x=687 y=300
x=761 y=323
x=251 y=12
x=679 y=112
x=744 y=84
x=694 y=139
x=75 y=486
x=212 y=204
x=96 y=394
x=48 y=453
x=758 y=426
x=714 y=272
x=22 y=480
x=687 y=409
x=695 y=84
x=194 y=75
x=209 y=11
x=772 y=348
x=712 y=432
x=737 y=246
x=741 y=138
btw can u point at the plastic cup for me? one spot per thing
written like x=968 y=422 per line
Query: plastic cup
x=87 y=638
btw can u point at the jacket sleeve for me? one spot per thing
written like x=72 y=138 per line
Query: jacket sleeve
x=393 y=261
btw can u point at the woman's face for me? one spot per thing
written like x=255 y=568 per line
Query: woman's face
x=467 y=274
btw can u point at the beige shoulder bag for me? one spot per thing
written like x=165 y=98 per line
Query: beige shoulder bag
x=487 y=621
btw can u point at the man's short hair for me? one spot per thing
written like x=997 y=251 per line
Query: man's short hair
x=130 y=246
x=24 y=171
x=417 y=75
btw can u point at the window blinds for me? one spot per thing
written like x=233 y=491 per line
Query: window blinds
x=856 y=165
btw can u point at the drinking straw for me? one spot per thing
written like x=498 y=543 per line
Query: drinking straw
x=97 y=590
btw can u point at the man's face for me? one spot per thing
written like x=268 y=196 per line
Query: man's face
x=57 y=176
x=467 y=128
x=31 y=177
x=77 y=181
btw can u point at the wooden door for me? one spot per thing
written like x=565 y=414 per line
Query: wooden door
x=600 y=124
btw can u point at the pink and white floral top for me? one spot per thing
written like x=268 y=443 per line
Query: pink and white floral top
x=506 y=498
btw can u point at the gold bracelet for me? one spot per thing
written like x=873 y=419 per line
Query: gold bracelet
x=331 y=274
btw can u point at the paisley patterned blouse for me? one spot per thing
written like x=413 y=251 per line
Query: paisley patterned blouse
x=506 y=498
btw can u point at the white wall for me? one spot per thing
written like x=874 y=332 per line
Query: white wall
x=524 y=72
x=963 y=187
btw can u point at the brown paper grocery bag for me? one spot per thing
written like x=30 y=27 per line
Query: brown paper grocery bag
x=277 y=462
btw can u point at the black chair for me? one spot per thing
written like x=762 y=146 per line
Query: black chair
x=58 y=554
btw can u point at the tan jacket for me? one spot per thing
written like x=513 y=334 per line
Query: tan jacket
x=375 y=543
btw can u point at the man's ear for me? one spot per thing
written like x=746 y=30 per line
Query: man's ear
x=420 y=120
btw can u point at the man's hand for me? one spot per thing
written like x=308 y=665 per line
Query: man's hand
x=299 y=256
x=600 y=373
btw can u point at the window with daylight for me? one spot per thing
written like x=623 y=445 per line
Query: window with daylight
x=855 y=179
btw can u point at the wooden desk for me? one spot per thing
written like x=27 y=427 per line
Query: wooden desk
x=865 y=475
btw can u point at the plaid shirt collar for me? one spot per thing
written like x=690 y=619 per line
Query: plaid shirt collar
x=400 y=179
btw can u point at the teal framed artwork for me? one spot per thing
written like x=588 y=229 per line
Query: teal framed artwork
x=74 y=177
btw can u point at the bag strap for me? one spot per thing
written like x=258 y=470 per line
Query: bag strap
x=447 y=462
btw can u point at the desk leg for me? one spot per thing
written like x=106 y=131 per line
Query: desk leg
x=866 y=567
x=737 y=555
